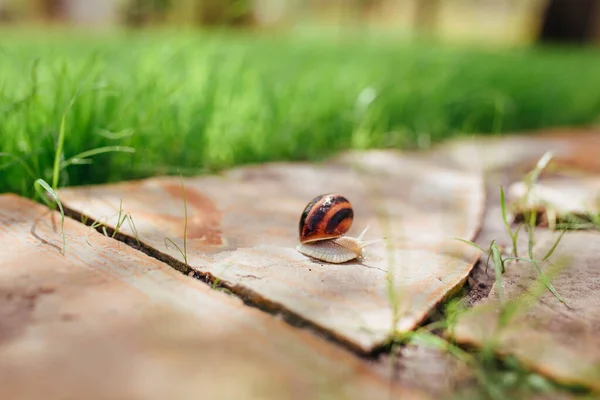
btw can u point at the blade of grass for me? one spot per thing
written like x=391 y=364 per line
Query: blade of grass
x=59 y=152
x=547 y=282
x=543 y=277
x=554 y=246
x=100 y=150
x=498 y=269
x=531 y=233
x=40 y=184
x=541 y=164
x=133 y=228
x=184 y=251
x=120 y=220
x=176 y=246
x=513 y=236
x=94 y=226
x=185 y=220
x=472 y=244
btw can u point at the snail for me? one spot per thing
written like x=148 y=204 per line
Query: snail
x=322 y=228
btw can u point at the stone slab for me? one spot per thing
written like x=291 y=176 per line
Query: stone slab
x=105 y=321
x=550 y=338
x=558 y=341
x=243 y=229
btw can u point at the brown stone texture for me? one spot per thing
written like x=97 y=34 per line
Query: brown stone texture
x=105 y=321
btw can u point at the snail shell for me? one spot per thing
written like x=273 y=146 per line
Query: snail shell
x=322 y=228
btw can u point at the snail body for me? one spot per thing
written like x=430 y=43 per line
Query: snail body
x=323 y=226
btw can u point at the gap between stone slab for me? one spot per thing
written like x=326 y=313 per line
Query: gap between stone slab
x=249 y=297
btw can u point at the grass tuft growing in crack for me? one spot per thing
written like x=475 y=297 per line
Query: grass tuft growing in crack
x=494 y=252
x=184 y=251
x=41 y=186
x=121 y=218
x=513 y=235
x=500 y=260
x=102 y=223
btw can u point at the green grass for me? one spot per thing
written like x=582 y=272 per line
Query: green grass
x=200 y=102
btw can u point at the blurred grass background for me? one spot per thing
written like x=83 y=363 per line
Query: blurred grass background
x=199 y=100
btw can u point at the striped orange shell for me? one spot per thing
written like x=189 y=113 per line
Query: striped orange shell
x=325 y=217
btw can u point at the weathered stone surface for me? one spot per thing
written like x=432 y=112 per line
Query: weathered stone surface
x=106 y=321
x=243 y=229
x=553 y=339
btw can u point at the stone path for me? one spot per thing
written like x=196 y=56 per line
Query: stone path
x=144 y=323
x=106 y=321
